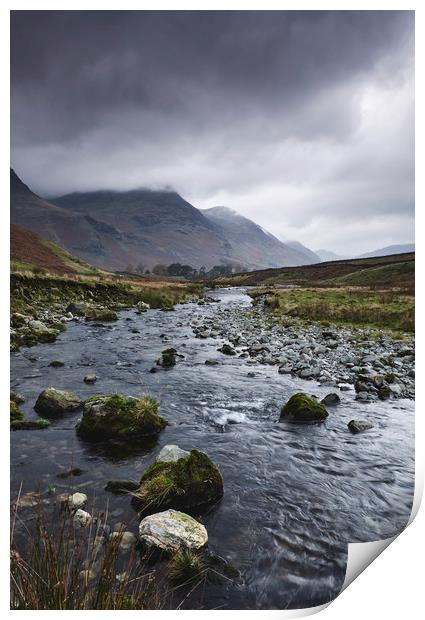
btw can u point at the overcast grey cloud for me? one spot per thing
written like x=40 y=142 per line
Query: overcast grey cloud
x=303 y=121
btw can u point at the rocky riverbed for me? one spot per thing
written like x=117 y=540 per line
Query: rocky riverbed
x=373 y=363
x=294 y=494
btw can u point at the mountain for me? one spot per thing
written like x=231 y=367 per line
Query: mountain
x=390 y=249
x=82 y=236
x=251 y=244
x=141 y=228
x=328 y=255
x=310 y=256
x=163 y=226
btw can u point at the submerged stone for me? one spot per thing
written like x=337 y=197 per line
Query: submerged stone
x=191 y=483
x=120 y=416
x=121 y=486
x=303 y=408
x=53 y=402
x=171 y=531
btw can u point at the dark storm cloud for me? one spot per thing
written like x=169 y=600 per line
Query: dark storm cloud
x=301 y=120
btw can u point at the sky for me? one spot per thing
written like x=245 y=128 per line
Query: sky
x=302 y=121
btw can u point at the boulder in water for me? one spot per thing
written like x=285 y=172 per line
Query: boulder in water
x=171 y=531
x=53 y=402
x=227 y=350
x=90 y=378
x=358 y=426
x=168 y=358
x=303 y=408
x=331 y=400
x=120 y=416
x=191 y=483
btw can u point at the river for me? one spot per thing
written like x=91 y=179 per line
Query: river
x=294 y=495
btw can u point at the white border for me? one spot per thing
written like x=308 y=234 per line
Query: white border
x=392 y=586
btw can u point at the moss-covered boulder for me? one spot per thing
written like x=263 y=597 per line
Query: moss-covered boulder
x=168 y=358
x=103 y=315
x=191 y=483
x=30 y=336
x=29 y=425
x=119 y=416
x=303 y=408
x=15 y=412
x=52 y=402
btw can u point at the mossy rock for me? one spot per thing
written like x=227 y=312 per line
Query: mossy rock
x=192 y=484
x=15 y=412
x=119 y=416
x=303 y=408
x=52 y=402
x=168 y=358
x=105 y=315
x=29 y=425
x=30 y=337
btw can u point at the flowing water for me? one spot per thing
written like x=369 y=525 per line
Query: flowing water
x=295 y=495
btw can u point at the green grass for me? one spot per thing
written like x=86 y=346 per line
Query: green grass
x=186 y=566
x=384 y=271
x=122 y=417
x=191 y=481
x=380 y=309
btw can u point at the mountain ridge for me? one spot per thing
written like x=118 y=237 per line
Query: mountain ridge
x=138 y=229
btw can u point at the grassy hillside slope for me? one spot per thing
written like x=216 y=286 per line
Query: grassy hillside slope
x=397 y=270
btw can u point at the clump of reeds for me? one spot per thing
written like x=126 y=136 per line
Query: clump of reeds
x=60 y=567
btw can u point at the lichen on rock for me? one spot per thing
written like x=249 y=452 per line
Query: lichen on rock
x=171 y=531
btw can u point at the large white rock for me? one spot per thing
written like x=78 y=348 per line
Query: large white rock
x=172 y=530
x=172 y=453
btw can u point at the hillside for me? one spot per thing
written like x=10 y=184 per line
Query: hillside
x=29 y=251
x=388 y=271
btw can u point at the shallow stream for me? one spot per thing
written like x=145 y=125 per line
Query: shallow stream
x=294 y=495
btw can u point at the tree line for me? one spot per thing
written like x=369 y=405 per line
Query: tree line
x=178 y=270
